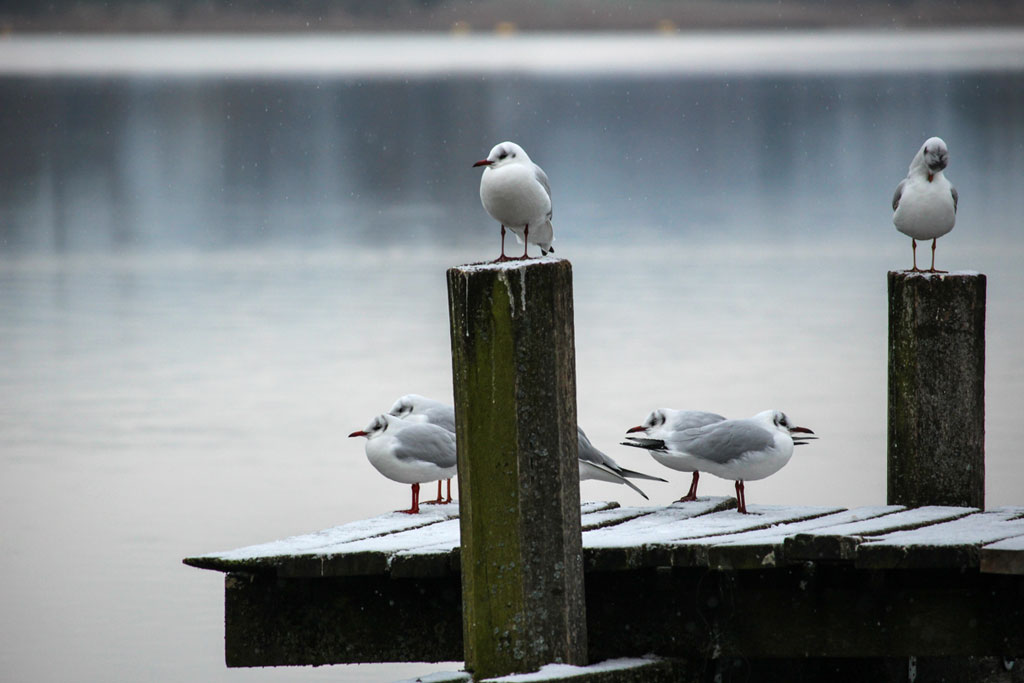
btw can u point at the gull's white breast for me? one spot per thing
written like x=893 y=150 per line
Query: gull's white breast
x=926 y=210
x=513 y=196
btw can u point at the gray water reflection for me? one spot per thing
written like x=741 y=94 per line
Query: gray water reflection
x=278 y=279
x=136 y=163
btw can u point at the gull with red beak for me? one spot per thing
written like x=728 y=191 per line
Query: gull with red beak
x=924 y=205
x=740 y=450
x=409 y=452
x=516 y=193
x=664 y=421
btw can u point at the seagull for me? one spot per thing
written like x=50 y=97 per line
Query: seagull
x=924 y=204
x=665 y=421
x=409 y=452
x=593 y=464
x=740 y=450
x=416 y=408
x=515 y=191
x=596 y=465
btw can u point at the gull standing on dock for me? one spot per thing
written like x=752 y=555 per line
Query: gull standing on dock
x=516 y=193
x=416 y=408
x=664 y=421
x=924 y=204
x=740 y=450
x=409 y=452
x=593 y=464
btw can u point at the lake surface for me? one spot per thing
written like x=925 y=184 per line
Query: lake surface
x=208 y=279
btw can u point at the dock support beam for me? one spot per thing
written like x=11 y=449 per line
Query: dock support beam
x=936 y=437
x=514 y=376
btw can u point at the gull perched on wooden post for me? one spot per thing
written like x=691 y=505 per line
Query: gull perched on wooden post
x=516 y=192
x=740 y=450
x=409 y=452
x=925 y=201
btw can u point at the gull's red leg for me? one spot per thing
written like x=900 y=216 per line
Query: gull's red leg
x=692 y=493
x=741 y=498
x=415 y=501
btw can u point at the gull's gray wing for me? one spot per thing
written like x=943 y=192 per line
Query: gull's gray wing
x=589 y=453
x=442 y=415
x=603 y=473
x=722 y=441
x=899 y=193
x=426 y=442
x=956 y=197
x=542 y=178
x=688 y=419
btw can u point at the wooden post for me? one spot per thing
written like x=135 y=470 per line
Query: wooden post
x=936 y=453
x=514 y=372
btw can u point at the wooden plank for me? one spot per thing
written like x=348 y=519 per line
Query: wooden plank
x=762 y=548
x=620 y=546
x=1004 y=557
x=269 y=556
x=839 y=543
x=690 y=547
x=611 y=517
x=949 y=545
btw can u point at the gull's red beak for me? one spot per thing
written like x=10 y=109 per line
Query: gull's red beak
x=803 y=430
x=634 y=429
x=359 y=433
x=483 y=162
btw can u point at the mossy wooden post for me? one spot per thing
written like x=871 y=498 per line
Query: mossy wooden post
x=514 y=372
x=936 y=453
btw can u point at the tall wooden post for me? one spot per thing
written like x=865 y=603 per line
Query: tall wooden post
x=936 y=453
x=514 y=369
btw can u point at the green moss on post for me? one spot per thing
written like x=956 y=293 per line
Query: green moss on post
x=936 y=452
x=514 y=372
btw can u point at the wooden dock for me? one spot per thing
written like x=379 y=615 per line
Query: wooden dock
x=692 y=580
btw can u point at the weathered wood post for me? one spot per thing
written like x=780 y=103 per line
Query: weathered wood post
x=514 y=369
x=936 y=453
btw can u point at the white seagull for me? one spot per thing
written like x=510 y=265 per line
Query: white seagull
x=416 y=408
x=409 y=452
x=593 y=464
x=924 y=204
x=664 y=421
x=516 y=192
x=740 y=450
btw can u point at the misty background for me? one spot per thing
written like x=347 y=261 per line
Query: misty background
x=221 y=252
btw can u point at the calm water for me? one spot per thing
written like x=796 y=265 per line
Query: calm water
x=207 y=282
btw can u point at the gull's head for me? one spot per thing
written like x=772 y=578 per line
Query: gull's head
x=780 y=421
x=935 y=155
x=654 y=420
x=504 y=153
x=377 y=426
x=409 y=404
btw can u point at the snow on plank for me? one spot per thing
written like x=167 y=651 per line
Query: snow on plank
x=611 y=517
x=949 y=545
x=619 y=546
x=274 y=554
x=762 y=548
x=1004 y=557
x=652 y=540
x=840 y=542
x=690 y=548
